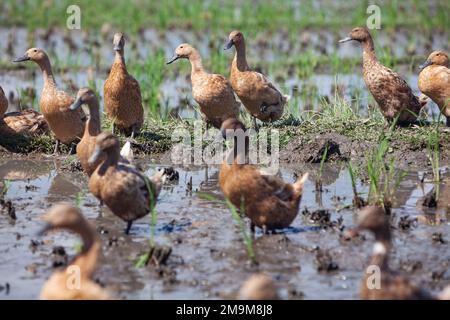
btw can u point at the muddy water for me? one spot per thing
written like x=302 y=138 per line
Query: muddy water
x=92 y=52
x=209 y=258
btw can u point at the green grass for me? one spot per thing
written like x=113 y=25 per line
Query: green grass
x=228 y=15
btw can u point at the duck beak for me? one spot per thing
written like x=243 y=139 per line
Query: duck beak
x=228 y=45
x=78 y=103
x=425 y=64
x=345 y=40
x=174 y=58
x=25 y=57
x=94 y=157
x=44 y=229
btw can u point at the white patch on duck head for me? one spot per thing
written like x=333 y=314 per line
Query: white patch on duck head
x=379 y=249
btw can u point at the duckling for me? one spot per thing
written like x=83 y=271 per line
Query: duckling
x=258 y=287
x=434 y=81
x=391 y=92
x=26 y=122
x=392 y=286
x=212 y=92
x=66 y=124
x=122 y=94
x=268 y=201
x=86 y=146
x=128 y=194
x=259 y=96
x=63 y=285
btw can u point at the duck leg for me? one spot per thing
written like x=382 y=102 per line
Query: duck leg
x=113 y=128
x=255 y=124
x=127 y=230
x=448 y=122
x=55 y=152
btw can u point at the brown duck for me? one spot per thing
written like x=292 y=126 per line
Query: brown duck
x=258 y=287
x=66 y=124
x=63 y=285
x=259 y=96
x=86 y=146
x=212 y=92
x=26 y=122
x=122 y=94
x=434 y=81
x=392 y=286
x=268 y=201
x=391 y=92
x=128 y=194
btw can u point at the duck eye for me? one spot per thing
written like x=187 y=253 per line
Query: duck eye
x=35 y=50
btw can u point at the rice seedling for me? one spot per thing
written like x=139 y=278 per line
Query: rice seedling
x=357 y=201
x=384 y=178
x=319 y=175
x=237 y=217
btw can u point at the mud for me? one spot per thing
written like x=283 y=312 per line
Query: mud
x=202 y=254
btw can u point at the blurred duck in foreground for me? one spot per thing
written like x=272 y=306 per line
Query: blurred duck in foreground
x=128 y=193
x=86 y=146
x=26 y=122
x=66 y=124
x=63 y=285
x=268 y=201
x=258 y=287
x=122 y=94
x=212 y=92
x=259 y=96
x=434 y=81
x=391 y=286
x=391 y=92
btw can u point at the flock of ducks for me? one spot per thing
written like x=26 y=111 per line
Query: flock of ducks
x=268 y=201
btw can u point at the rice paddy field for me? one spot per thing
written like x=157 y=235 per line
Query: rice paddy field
x=331 y=128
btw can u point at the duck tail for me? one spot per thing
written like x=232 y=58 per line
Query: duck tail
x=126 y=152
x=299 y=184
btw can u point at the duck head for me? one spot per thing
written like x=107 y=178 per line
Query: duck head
x=375 y=220
x=105 y=143
x=84 y=96
x=33 y=54
x=183 y=51
x=119 y=42
x=230 y=126
x=234 y=39
x=63 y=216
x=438 y=58
x=258 y=287
x=360 y=34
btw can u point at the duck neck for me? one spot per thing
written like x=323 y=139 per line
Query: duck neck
x=196 y=63
x=119 y=61
x=49 y=80
x=368 y=50
x=87 y=259
x=381 y=248
x=240 y=59
x=239 y=153
x=112 y=158
x=93 y=124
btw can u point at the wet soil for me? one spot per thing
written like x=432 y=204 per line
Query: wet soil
x=207 y=256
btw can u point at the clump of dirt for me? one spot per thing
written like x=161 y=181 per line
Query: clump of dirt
x=324 y=261
x=171 y=174
x=7 y=208
x=438 y=238
x=322 y=217
x=407 y=223
x=300 y=149
x=59 y=257
x=72 y=166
